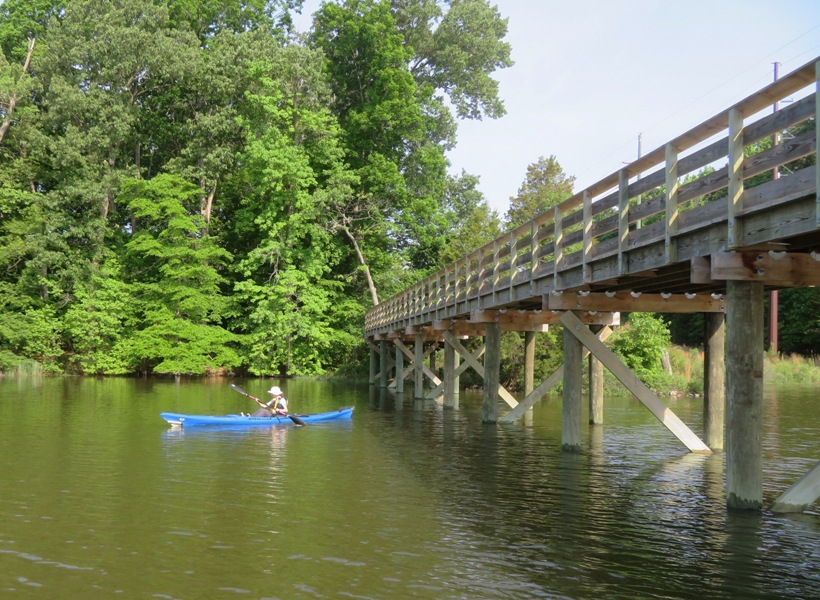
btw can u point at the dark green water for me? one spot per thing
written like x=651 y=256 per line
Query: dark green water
x=100 y=499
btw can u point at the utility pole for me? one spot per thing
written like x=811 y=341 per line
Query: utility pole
x=773 y=296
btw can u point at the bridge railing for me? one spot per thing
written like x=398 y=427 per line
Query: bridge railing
x=657 y=211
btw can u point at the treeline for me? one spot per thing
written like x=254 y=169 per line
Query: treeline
x=192 y=187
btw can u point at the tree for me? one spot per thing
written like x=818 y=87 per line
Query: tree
x=176 y=280
x=472 y=222
x=546 y=185
x=457 y=45
x=292 y=163
x=389 y=64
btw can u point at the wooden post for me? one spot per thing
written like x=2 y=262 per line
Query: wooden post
x=596 y=387
x=671 y=229
x=571 y=411
x=418 y=361
x=529 y=362
x=384 y=370
x=399 y=370
x=450 y=379
x=492 y=368
x=623 y=221
x=744 y=394
x=734 y=234
x=714 y=375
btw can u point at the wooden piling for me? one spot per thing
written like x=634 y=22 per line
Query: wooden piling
x=450 y=379
x=571 y=411
x=744 y=394
x=384 y=370
x=529 y=362
x=399 y=370
x=492 y=368
x=374 y=361
x=418 y=361
x=596 y=387
x=714 y=384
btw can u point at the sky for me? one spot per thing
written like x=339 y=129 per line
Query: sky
x=594 y=80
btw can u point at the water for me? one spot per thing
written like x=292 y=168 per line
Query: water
x=100 y=499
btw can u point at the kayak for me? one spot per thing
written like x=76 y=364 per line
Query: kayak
x=180 y=420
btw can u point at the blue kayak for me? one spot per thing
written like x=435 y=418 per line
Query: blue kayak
x=181 y=420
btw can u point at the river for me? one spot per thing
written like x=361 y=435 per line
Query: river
x=99 y=498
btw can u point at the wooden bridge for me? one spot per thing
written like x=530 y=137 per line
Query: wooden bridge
x=706 y=223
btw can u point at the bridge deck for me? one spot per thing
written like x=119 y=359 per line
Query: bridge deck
x=664 y=224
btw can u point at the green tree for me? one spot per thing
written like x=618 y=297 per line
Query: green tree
x=546 y=185
x=457 y=46
x=472 y=222
x=176 y=281
x=292 y=170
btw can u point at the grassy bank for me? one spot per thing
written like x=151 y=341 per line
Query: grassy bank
x=684 y=372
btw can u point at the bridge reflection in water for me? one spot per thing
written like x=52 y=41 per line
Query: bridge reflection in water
x=686 y=228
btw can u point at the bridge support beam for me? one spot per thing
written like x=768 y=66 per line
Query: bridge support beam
x=374 y=362
x=399 y=370
x=418 y=388
x=571 y=410
x=744 y=394
x=492 y=372
x=384 y=369
x=596 y=386
x=714 y=400
x=529 y=362
x=451 y=377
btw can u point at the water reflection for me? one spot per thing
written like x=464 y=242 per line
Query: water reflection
x=406 y=500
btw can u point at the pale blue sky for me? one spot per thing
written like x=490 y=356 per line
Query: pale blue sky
x=591 y=76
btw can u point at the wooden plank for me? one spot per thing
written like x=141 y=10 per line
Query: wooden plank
x=627 y=302
x=633 y=384
x=772 y=268
x=802 y=494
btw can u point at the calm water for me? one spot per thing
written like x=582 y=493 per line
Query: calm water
x=100 y=499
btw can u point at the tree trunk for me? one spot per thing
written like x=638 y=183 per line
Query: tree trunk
x=370 y=283
x=13 y=100
x=207 y=205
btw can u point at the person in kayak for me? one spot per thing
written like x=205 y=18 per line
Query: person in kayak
x=277 y=405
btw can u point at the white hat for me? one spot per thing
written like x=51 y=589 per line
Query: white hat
x=275 y=391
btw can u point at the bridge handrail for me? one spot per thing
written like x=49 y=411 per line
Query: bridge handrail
x=609 y=218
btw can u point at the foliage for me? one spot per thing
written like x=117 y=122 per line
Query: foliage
x=641 y=343
x=799 y=321
x=177 y=296
x=546 y=185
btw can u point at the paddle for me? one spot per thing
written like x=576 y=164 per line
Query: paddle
x=293 y=418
